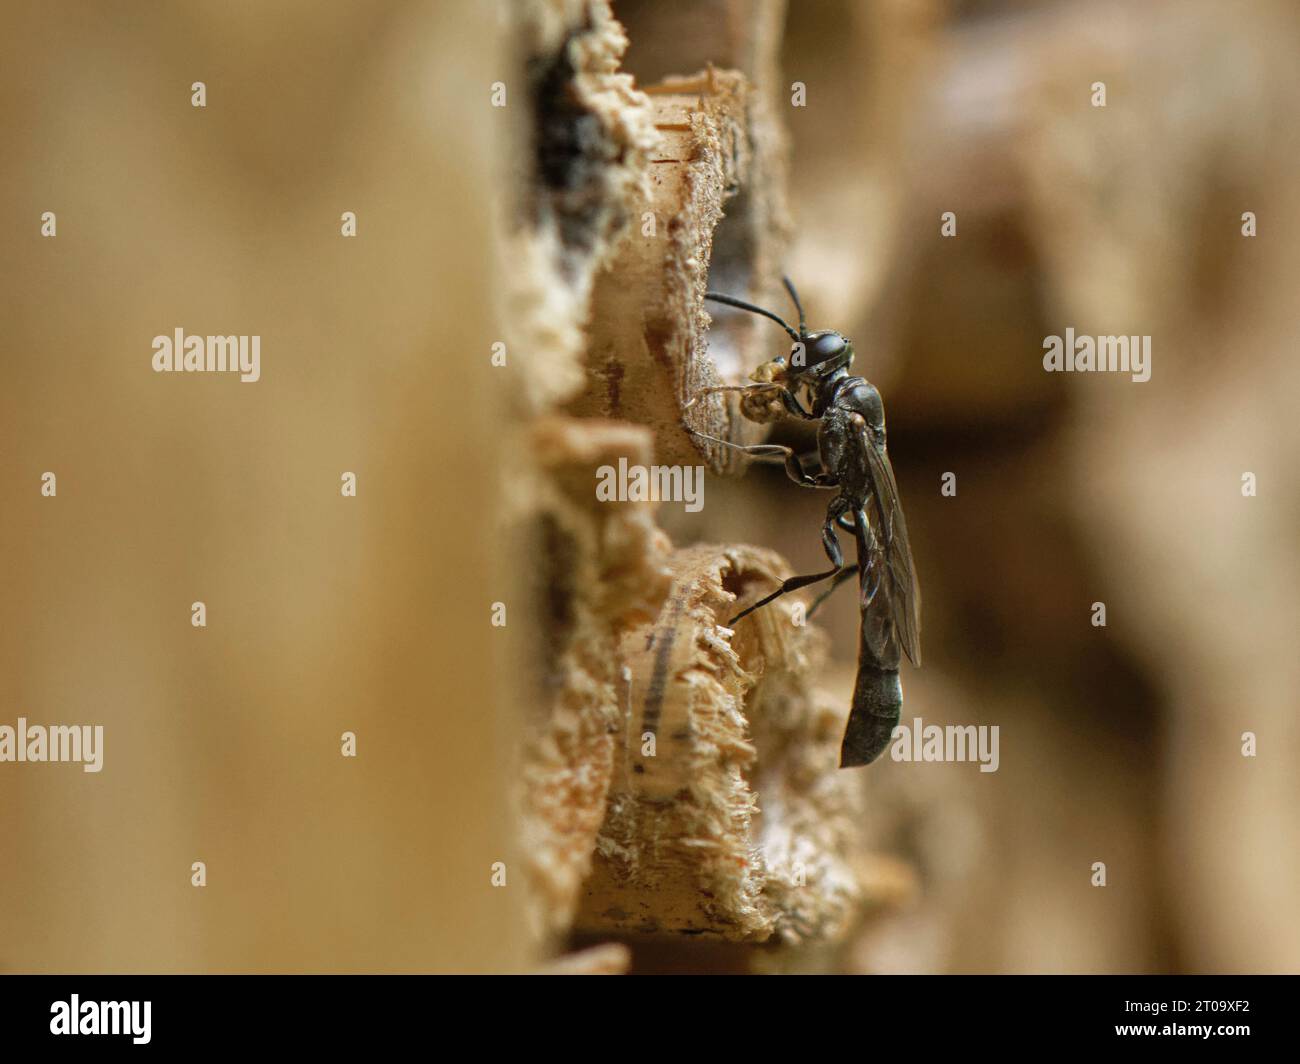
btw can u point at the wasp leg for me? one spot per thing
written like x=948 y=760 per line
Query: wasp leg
x=843 y=575
x=793 y=406
x=793 y=584
x=793 y=468
x=842 y=521
x=727 y=388
x=834 y=514
x=790 y=402
x=807 y=458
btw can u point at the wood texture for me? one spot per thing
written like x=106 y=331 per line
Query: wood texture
x=727 y=815
x=596 y=568
x=714 y=217
x=579 y=141
x=739 y=826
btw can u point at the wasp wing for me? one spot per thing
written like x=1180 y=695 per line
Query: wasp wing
x=897 y=577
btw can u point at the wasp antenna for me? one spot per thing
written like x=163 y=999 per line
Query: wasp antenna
x=742 y=305
x=789 y=287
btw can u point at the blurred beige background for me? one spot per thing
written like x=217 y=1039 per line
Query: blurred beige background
x=325 y=614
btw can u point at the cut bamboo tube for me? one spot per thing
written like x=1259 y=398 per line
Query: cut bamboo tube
x=727 y=814
x=714 y=218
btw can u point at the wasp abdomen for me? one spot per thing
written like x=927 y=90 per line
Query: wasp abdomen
x=877 y=703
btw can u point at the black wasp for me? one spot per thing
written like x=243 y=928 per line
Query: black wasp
x=855 y=464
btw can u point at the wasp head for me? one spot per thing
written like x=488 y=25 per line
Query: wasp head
x=820 y=354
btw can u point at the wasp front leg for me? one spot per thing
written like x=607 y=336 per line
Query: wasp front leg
x=754 y=390
x=764 y=451
x=794 y=408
